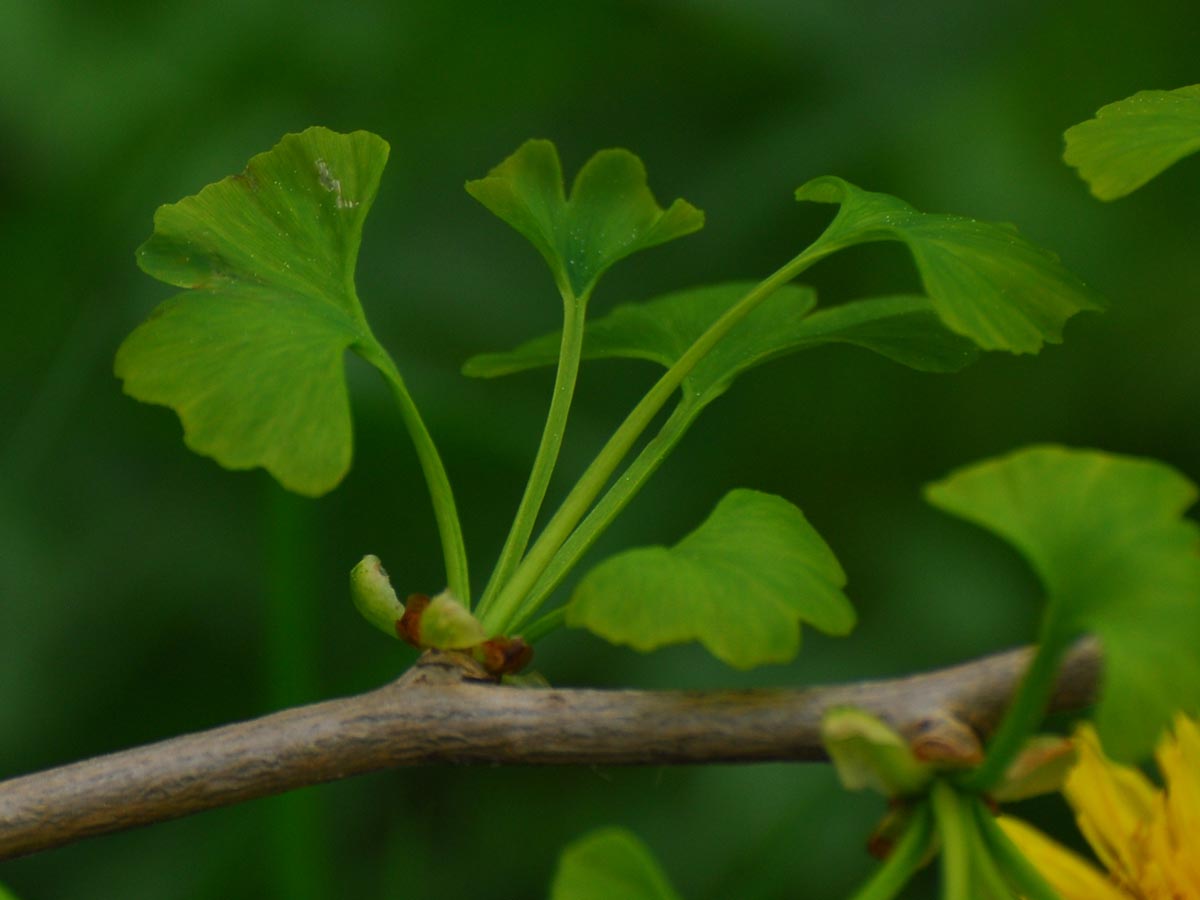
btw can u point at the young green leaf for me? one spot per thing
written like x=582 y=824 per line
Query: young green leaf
x=610 y=863
x=986 y=281
x=1132 y=140
x=373 y=595
x=251 y=356
x=869 y=753
x=1106 y=537
x=903 y=328
x=609 y=214
x=740 y=584
x=447 y=625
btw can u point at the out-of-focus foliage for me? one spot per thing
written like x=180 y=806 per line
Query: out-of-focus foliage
x=1106 y=537
x=1132 y=140
x=609 y=862
x=134 y=574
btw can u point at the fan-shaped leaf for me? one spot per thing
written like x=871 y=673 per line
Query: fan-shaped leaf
x=986 y=281
x=1105 y=534
x=740 y=584
x=251 y=357
x=903 y=328
x=1132 y=140
x=609 y=214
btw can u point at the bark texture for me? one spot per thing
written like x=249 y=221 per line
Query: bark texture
x=447 y=710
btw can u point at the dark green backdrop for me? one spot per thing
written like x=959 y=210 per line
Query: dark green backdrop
x=144 y=592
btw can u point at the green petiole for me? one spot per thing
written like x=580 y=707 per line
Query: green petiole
x=440 y=493
x=615 y=499
x=988 y=880
x=1026 y=880
x=551 y=621
x=1026 y=711
x=501 y=614
x=954 y=827
x=903 y=862
x=547 y=452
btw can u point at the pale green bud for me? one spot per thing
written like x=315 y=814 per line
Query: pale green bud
x=868 y=753
x=373 y=595
x=448 y=625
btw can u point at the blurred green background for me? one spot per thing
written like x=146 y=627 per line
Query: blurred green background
x=144 y=592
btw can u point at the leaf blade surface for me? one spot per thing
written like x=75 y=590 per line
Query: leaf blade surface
x=609 y=863
x=740 y=584
x=250 y=356
x=1131 y=141
x=609 y=214
x=986 y=281
x=1106 y=536
x=903 y=328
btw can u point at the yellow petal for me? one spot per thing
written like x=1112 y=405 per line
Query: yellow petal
x=1175 y=838
x=1179 y=762
x=1069 y=874
x=1114 y=806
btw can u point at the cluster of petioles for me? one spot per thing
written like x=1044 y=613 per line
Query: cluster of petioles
x=933 y=808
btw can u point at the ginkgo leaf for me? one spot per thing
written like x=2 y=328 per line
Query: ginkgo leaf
x=986 y=281
x=740 y=584
x=606 y=864
x=251 y=356
x=903 y=328
x=1132 y=140
x=1105 y=534
x=609 y=214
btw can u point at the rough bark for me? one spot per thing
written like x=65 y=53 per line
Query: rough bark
x=446 y=710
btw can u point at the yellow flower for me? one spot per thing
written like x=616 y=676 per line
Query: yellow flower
x=1147 y=838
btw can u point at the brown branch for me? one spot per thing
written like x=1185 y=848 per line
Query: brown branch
x=444 y=711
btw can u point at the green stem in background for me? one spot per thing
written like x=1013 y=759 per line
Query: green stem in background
x=988 y=881
x=298 y=854
x=903 y=862
x=499 y=617
x=1026 y=880
x=569 y=354
x=444 y=511
x=1027 y=709
x=551 y=621
x=954 y=827
x=608 y=508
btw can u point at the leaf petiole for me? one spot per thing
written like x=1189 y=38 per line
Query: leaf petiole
x=1026 y=879
x=442 y=496
x=954 y=827
x=501 y=614
x=570 y=352
x=548 y=623
x=615 y=499
x=1023 y=715
x=904 y=860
